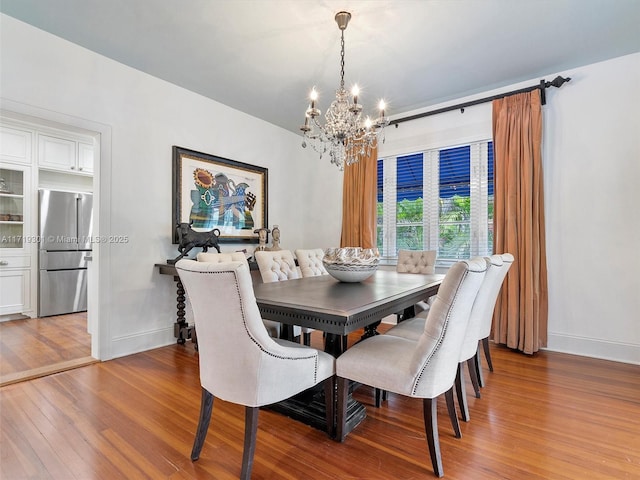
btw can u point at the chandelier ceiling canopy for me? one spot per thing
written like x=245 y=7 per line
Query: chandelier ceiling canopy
x=346 y=135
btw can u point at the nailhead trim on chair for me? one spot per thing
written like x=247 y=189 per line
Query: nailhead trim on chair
x=314 y=356
x=235 y=273
x=444 y=331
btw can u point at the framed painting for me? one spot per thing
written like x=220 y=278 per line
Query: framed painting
x=214 y=192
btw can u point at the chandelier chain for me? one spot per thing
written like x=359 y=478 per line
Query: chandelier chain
x=342 y=59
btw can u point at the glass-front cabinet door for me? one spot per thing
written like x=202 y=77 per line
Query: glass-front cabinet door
x=14 y=205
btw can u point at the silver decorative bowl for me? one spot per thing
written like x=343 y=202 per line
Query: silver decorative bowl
x=351 y=264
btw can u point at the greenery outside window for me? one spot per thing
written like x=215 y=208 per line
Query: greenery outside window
x=439 y=199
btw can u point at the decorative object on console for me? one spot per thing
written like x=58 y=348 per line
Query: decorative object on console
x=189 y=238
x=346 y=136
x=262 y=239
x=215 y=192
x=275 y=239
x=351 y=264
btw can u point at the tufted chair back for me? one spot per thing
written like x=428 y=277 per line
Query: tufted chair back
x=310 y=262
x=416 y=261
x=221 y=257
x=276 y=266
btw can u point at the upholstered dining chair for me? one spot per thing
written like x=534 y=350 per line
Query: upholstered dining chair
x=278 y=266
x=272 y=327
x=239 y=361
x=481 y=312
x=425 y=368
x=420 y=262
x=310 y=262
x=485 y=326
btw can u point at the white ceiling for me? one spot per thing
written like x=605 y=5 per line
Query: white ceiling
x=263 y=56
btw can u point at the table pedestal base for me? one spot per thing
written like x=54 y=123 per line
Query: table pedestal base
x=308 y=407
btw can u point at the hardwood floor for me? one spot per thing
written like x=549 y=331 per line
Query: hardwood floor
x=547 y=416
x=34 y=347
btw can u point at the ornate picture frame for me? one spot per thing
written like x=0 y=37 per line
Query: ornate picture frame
x=215 y=192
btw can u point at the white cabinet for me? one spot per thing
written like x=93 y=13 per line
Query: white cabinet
x=15 y=206
x=17 y=242
x=15 y=145
x=15 y=285
x=65 y=155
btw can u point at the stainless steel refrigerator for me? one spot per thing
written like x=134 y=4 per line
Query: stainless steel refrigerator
x=65 y=220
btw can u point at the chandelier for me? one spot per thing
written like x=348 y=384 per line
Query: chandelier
x=345 y=135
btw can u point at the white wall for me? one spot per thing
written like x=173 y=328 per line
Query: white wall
x=591 y=160
x=145 y=116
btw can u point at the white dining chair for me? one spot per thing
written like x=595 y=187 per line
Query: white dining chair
x=487 y=315
x=279 y=266
x=481 y=313
x=239 y=362
x=272 y=327
x=422 y=262
x=310 y=262
x=425 y=368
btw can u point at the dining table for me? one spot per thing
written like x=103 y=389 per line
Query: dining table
x=338 y=309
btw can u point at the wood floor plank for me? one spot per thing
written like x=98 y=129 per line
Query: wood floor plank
x=546 y=416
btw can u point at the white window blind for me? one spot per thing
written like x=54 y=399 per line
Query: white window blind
x=440 y=199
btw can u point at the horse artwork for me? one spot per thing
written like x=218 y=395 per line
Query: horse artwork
x=189 y=238
x=219 y=201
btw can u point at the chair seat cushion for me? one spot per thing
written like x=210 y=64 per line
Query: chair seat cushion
x=326 y=362
x=362 y=363
x=410 y=329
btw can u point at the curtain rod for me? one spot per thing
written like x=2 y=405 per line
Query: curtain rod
x=557 y=82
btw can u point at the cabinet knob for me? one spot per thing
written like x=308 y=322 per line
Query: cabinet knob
x=79 y=168
x=4 y=262
x=73 y=168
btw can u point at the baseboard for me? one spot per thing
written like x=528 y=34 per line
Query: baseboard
x=142 y=341
x=593 y=347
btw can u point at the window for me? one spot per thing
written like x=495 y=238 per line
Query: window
x=439 y=199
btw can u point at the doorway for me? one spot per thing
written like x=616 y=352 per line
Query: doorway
x=87 y=346
x=36 y=347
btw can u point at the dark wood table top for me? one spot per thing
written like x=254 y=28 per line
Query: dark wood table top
x=335 y=307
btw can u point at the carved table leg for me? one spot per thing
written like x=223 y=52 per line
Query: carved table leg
x=181 y=329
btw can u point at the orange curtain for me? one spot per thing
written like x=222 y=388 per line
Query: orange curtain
x=520 y=317
x=359 y=203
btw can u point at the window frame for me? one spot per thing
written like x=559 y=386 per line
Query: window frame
x=479 y=187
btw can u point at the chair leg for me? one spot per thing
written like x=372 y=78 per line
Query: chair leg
x=341 y=420
x=487 y=352
x=451 y=408
x=473 y=373
x=378 y=396
x=206 y=406
x=345 y=343
x=329 y=404
x=461 y=393
x=430 y=413
x=306 y=339
x=250 y=431
x=479 y=368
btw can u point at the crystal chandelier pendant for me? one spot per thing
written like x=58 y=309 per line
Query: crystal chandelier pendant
x=345 y=134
